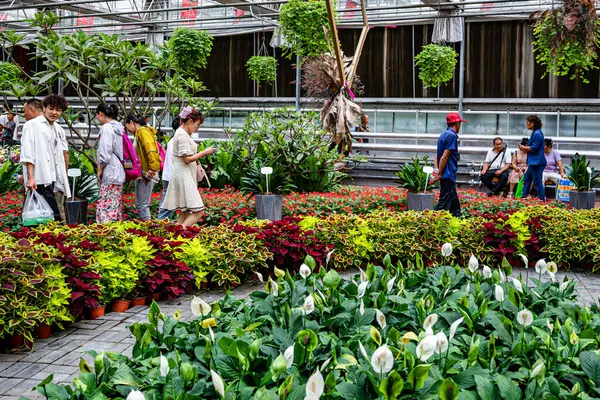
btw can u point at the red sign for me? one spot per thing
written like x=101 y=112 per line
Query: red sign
x=83 y=20
x=350 y=4
x=191 y=13
x=238 y=13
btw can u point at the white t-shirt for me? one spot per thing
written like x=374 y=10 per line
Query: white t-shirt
x=166 y=173
x=500 y=161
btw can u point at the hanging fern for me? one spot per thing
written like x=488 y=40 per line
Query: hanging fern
x=436 y=64
x=262 y=68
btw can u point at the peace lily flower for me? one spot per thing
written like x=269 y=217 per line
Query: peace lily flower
x=499 y=293
x=328 y=258
x=487 y=272
x=362 y=350
x=278 y=272
x=361 y=309
x=309 y=305
x=574 y=339
x=315 y=386
x=428 y=331
x=525 y=260
x=361 y=289
x=136 y=395
x=208 y=322
x=447 y=250
x=551 y=267
x=390 y=284
x=288 y=356
x=454 y=326
x=517 y=285
x=325 y=364
x=473 y=264
x=564 y=285
x=408 y=336
x=380 y=319
x=536 y=371
x=550 y=325
x=382 y=360
x=541 y=266
x=274 y=287
x=200 y=307
x=305 y=271
x=525 y=317
x=260 y=277
x=502 y=277
x=426 y=347
x=363 y=276
x=442 y=343
x=212 y=334
x=430 y=320
x=218 y=383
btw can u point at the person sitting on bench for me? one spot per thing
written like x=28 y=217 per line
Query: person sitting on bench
x=494 y=173
x=554 y=167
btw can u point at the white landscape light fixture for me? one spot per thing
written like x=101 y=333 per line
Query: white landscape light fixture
x=589 y=170
x=428 y=170
x=73 y=173
x=266 y=171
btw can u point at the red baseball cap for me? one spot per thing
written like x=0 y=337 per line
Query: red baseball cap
x=454 y=117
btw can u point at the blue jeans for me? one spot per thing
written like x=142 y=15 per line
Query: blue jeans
x=534 y=174
x=162 y=213
x=143 y=194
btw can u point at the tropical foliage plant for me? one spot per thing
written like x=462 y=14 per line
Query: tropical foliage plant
x=436 y=64
x=581 y=174
x=411 y=176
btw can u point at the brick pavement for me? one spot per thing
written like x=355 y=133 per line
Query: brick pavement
x=60 y=354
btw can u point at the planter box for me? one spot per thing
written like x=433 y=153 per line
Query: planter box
x=582 y=200
x=268 y=206
x=419 y=201
x=76 y=211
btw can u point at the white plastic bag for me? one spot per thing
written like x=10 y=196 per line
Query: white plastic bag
x=36 y=210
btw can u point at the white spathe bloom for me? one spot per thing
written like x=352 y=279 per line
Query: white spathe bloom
x=362 y=350
x=525 y=317
x=541 y=267
x=309 y=305
x=517 y=285
x=325 y=364
x=447 y=250
x=430 y=321
x=260 y=277
x=211 y=333
x=442 y=342
x=164 y=366
x=499 y=293
x=136 y=395
x=363 y=276
x=552 y=276
x=564 y=285
x=362 y=288
x=274 y=287
x=380 y=319
x=390 y=284
x=502 y=276
x=536 y=371
x=305 y=271
x=454 y=326
x=315 y=386
x=426 y=347
x=218 y=383
x=428 y=331
x=551 y=267
x=487 y=272
x=525 y=260
x=473 y=264
x=361 y=309
x=549 y=325
x=288 y=356
x=200 y=307
x=328 y=258
x=382 y=360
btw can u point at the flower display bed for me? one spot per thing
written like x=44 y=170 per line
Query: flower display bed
x=394 y=332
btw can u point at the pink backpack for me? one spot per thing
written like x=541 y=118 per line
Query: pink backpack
x=162 y=153
x=131 y=162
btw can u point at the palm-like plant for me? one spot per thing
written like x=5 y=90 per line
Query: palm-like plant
x=578 y=173
x=280 y=181
x=412 y=177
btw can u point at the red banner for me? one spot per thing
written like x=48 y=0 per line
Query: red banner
x=83 y=20
x=350 y=4
x=191 y=13
x=238 y=13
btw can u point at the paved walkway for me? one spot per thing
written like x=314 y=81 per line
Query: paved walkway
x=60 y=354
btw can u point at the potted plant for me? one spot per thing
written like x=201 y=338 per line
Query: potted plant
x=268 y=184
x=138 y=297
x=262 y=69
x=584 y=177
x=436 y=64
x=413 y=178
x=85 y=188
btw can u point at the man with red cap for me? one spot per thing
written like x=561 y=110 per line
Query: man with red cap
x=447 y=158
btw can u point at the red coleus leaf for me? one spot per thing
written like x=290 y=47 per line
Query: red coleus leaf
x=9 y=286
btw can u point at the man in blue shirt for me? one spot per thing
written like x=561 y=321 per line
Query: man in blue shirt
x=447 y=158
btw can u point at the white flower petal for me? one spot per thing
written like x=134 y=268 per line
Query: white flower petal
x=541 y=266
x=454 y=326
x=426 y=347
x=200 y=307
x=260 y=277
x=517 y=285
x=305 y=271
x=380 y=319
x=363 y=276
x=362 y=350
x=382 y=360
x=525 y=260
x=525 y=317
x=361 y=309
x=442 y=343
x=309 y=305
x=315 y=385
x=362 y=289
x=447 y=250
x=473 y=264
x=136 y=395
x=487 y=272
x=430 y=320
x=288 y=356
x=218 y=383
x=390 y=284
x=328 y=258
x=499 y=293
x=164 y=366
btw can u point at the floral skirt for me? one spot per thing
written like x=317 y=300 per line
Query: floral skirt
x=109 y=206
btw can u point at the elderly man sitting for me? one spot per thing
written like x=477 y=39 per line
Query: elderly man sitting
x=494 y=173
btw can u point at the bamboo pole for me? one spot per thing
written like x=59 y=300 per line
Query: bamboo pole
x=336 y=41
x=361 y=43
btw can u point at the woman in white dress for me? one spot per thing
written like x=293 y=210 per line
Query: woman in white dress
x=182 y=193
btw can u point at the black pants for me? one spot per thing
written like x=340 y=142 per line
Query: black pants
x=495 y=187
x=448 y=198
x=48 y=193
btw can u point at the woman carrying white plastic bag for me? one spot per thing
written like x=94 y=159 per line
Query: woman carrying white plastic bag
x=36 y=210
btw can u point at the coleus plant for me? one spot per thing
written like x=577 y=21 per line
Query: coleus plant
x=395 y=333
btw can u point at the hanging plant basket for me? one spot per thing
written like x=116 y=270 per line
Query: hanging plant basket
x=436 y=64
x=262 y=68
x=191 y=48
x=302 y=27
x=566 y=39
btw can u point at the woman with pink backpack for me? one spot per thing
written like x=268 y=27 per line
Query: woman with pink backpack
x=111 y=174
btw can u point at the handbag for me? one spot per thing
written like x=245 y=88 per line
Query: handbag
x=201 y=174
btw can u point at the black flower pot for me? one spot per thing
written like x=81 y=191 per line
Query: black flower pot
x=582 y=200
x=419 y=201
x=268 y=206
x=76 y=211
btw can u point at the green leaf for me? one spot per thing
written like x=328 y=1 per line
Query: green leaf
x=486 y=388
x=173 y=389
x=418 y=375
x=349 y=391
x=508 y=389
x=391 y=386
x=448 y=390
x=590 y=363
x=332 y=279
x=124 y=376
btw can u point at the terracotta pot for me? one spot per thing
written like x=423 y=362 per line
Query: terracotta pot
x=156 y=296
x=96 y=312
x=120 y=305
x=204 y=285
x=16 y=341
x=189 y=289
x=138 y=301
x=43 y=331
